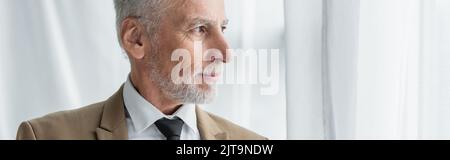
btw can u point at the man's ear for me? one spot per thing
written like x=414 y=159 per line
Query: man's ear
x=132 y=35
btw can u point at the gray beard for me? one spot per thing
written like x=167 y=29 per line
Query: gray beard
x=183 y=93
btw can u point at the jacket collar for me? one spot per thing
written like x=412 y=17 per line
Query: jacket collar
x=209 y=129
x=113 y=122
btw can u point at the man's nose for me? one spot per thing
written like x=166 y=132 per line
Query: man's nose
x=221 y=44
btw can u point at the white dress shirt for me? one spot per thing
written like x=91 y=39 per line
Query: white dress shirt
x=141 y=116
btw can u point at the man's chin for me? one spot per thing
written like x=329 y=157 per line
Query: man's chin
x=206 y=93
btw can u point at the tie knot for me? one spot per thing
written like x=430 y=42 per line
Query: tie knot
x=171 y=128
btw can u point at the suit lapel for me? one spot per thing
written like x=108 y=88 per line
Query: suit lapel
x=209 y=130
x=113 y=123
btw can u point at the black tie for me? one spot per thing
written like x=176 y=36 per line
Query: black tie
x=171 y=128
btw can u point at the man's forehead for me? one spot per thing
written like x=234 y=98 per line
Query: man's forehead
x=206 y=20
x=200 y=11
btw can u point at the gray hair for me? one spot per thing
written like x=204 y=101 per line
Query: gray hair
x=148 y=12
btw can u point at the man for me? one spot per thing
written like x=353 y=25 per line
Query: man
x=151 y=105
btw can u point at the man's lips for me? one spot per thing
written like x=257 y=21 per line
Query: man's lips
x=211 y=78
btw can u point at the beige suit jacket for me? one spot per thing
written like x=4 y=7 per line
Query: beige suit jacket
x=106 y=121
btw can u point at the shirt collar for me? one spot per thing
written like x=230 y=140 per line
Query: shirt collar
x=143 y=114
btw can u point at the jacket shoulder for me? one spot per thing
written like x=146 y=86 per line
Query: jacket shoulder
x=72 y=124
x=235 y=132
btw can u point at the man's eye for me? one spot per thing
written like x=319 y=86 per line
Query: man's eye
x=200 y=30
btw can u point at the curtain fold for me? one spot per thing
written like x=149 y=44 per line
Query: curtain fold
x=385 y=68
x=304 y=91
x=388 y=69
x=435 y=68
x=341 y=40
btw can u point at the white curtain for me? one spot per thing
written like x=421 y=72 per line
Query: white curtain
x=63 y=54
x=368 y=69
x=56 y=55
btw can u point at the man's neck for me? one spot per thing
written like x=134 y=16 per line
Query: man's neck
x=153 y=94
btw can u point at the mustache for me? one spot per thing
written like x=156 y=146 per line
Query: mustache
x=213 y=68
